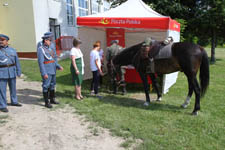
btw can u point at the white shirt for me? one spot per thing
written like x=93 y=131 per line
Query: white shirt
x=94 y=55
x=78 y=54
x=101 y=53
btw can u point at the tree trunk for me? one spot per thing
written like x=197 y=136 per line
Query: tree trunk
x=213 y=46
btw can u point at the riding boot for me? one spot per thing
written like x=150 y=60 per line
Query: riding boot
x=114 y=87
x=47 y=104
x=52 y=97
x=124 y=91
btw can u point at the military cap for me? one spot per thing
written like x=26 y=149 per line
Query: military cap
x=147 y=42
x=4 y=36
x=46 y=37
x=114 y=41
x=48 y=34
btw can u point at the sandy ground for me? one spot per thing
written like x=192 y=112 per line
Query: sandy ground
x=33 y=127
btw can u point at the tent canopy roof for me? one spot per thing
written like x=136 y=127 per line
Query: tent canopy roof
x=133 y=14
x=129 y=9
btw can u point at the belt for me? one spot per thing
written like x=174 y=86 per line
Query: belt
x=48 y=62
x=8 y=65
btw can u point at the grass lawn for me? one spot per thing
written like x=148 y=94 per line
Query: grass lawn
x=163 y=125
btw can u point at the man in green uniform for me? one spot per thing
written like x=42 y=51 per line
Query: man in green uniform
x=112 y=51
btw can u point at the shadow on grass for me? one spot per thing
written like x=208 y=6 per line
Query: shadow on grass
x=136 y=103
x=64 y=79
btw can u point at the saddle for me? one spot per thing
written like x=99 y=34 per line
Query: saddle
x=164 y=52
x=144 y=60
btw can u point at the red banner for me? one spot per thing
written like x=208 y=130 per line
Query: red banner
x=115 y=34
x=160 y=23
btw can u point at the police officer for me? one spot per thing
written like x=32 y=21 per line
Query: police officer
x=112 y=51
x=9 y=69
x=47 y=60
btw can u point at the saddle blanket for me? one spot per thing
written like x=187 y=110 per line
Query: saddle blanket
x=165 y=52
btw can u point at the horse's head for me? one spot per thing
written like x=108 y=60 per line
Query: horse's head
x=126 y=56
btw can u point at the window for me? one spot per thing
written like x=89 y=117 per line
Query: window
x=83 y=7
x=70 y=16
x=107 y=5
x=95 y=6
x=54 y=28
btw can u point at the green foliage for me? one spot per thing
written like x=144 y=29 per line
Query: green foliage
x=162 y=125
x=183 y=25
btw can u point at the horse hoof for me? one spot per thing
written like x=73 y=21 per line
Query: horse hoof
x=159 y=99
x=183 y=106
x=146 y=104
x=195 y=113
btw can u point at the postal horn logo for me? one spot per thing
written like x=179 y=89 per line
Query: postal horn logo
x=175 y=26
x=115 y=33
x=104 y=21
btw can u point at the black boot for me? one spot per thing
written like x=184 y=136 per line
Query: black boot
x=47 y=104
x=52 y=97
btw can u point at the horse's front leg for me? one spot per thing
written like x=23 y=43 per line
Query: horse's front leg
x=156 y=86
x=146 y=88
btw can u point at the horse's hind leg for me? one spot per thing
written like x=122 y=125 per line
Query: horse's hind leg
x=190 y=92
x=146 y=88
x=197 y=96
x=156 y=86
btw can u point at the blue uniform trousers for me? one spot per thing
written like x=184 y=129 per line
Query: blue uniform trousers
x=12 y=88
x=49 y=83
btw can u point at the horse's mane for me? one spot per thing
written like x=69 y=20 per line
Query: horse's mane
x=126 y=56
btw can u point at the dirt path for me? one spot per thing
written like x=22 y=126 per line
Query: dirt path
x=34 y=127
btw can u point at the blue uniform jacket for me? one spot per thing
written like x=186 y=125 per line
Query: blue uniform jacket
x=9 y=56
x=53 y=45
x=44 y=55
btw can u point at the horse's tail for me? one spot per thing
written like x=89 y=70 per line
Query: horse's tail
x=204 y=73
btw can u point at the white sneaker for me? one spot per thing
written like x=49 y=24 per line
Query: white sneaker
x=146 y=104
x=159 y=99
x=92 y=92
x=98 y=96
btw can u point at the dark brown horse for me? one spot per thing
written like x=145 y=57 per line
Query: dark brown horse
x=185 y=57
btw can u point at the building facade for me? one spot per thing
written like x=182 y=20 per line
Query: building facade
x=25 y=21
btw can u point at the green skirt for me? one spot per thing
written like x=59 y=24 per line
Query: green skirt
x=77 y=79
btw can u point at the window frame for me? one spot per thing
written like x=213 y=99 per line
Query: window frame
x=70 y=14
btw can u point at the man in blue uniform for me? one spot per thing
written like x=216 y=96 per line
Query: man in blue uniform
x=47 y=60
x=9 y=69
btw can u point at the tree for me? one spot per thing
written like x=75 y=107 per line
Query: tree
x=210 y=18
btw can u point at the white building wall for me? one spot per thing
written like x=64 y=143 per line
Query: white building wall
x=41 y=18
x=55 y=9
x=46 y=9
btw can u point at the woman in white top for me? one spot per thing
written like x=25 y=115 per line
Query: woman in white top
x=101 y=54
x=95 y=63
x=77 y=68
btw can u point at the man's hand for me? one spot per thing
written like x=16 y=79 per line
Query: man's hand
x=46 y=76
x=101 y=73
x=77 y=72
x=61 y=68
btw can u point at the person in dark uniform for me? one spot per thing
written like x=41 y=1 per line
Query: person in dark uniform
x=9 y=69
x=112 y=51
x=48 y=64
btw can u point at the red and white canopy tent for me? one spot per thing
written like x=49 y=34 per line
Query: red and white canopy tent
x=130 y=23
